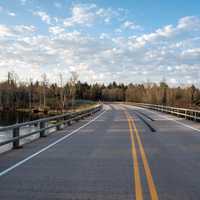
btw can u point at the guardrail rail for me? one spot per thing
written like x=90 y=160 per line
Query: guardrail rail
x=179 y=112
x=44 y=125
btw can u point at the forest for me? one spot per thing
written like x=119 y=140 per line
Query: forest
x=60 y=96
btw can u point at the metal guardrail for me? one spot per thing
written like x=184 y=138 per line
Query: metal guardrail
x=42 y=123
x=180 y=112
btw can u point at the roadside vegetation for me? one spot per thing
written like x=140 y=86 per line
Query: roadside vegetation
x=42 y=96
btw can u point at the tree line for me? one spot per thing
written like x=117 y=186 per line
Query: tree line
x=59 y=96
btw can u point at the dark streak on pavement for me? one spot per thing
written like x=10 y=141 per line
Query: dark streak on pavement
x=145 y=122
x=145 y=115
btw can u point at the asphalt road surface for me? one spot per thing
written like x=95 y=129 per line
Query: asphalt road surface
x=122 y=152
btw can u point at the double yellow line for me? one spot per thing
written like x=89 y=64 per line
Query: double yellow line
x=137 y=180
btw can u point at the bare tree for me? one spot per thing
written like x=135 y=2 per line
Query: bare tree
x=72 y=86
x=62 y=92
x=30 y=93
x=44 y=85
x=1 y=105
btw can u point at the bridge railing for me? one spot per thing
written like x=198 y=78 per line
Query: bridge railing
x=43 y=125
x=180 y=112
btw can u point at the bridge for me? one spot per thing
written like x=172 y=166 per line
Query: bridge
x=120 y=152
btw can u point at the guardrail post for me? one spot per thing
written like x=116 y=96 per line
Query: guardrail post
x=185 y=114
x=77 y=118
x=69 y=123
x=91 y=113
x=197 y=116
x=58 y=127
x=83 y=116
x=42 y=125
x=42 y=132
x=16 y=143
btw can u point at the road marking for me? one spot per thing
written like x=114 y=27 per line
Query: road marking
x=138 y=184
x=48 y=147
x=174 y=120
x=150 y=181
x=170 y=119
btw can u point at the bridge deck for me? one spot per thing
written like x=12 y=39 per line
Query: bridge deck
x=93 y=159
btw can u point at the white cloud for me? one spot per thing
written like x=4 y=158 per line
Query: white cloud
x=56 y=30
x=7 y=12
x=12 y=14
x=44 y=16
x=107 y=14
x=81 y=14
x=22 y=29
x=189 y=22
x=5 y=31
x=194 y=52
x=87 y=14
x=173 y=50
x=184 y=26
x=104 y=36
x=130 y=25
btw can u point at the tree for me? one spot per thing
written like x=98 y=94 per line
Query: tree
x=72 y=86
x=30 y=93
x=163 y=91
x=62 y=94
x=44 y=85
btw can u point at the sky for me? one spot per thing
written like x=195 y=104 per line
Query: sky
x=125 y=41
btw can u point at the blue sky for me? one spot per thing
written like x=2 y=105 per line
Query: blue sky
x=103 y=40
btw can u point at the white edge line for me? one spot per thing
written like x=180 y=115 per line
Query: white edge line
x=47 y=147
x=174 y=120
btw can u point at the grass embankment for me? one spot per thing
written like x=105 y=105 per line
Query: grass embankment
x=79 y=105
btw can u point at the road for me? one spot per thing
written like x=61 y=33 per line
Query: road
x=122 y=152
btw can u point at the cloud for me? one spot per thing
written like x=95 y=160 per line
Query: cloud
x=5 y=31
x=188 y=23
x=43 y=15
x=184 y=26
x=88 y=14
x=81 y=14
x=172 y=50
x=190 y=56
x=130 y=25
x=12 y=14
x=7 y=12
x=56 y=30
x=22 y=29
x=16 y=31
x=107 y=14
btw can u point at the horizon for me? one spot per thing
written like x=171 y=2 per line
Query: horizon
x=103 y=41
x=19 y=82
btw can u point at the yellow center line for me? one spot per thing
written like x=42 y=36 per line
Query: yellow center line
x=150 y=181
x=138 y=185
